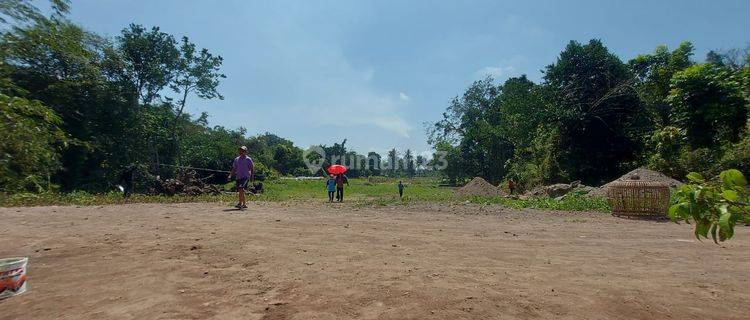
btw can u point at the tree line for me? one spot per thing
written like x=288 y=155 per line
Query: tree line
x=594 y=117
x=395 y=164
x=77 y=108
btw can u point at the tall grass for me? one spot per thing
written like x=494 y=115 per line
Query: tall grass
x=362 y=192
x=569 y=203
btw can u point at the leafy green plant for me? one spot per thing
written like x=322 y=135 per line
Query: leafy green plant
x=715 y=206
x=29 y=150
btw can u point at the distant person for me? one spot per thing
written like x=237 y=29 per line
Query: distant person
x=340 y=180
x=242 y=168
x=126 y=180
x=401 y=187
x=331 y=187
x=511 y=185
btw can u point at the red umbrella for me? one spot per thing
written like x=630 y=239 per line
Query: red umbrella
x=336 y=169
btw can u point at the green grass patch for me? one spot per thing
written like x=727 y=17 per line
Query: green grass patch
x=570 y=203
x=361 y=192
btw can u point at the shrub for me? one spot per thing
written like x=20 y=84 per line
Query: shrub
x=31 y=144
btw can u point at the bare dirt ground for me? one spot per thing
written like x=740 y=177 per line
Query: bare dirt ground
x=308 y=261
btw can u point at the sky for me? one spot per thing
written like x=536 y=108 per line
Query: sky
x=376 y=72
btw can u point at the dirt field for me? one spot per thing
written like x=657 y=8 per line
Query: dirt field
x=277 y=261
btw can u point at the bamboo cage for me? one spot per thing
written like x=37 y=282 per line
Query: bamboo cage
x=637 y=198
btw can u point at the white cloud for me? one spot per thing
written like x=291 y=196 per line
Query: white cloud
x=358 y=110
x=326 y=89
x=493 y=71
x=403 y=96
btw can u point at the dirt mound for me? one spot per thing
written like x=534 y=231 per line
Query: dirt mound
x=643 y=174
x=478 y=187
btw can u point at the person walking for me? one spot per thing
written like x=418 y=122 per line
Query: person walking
x=401 y=187
x=242 y=169
x=331 y=187
x=126 y=180
x=340 y=180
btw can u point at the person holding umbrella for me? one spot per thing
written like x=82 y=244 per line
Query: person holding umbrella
x=341 y=179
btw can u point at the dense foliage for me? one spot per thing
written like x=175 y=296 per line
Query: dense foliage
x=77 y=108
x=595 y=117
x=395 y=164
x=30 y=156
x=714 y=206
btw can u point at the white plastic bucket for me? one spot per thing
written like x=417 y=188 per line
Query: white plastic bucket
x=12 y=276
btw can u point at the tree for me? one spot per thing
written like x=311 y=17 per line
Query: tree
x=667 y=143
x=473 y=123
x=654 y=72
x=597 y=111
x=707 y=101
x=195 y=72
x=151 y=59
x=25 y=10
x=393 y=165
x=30 y=155
x=521 y=110
x=374 y=163
x=409 y=163
x=447 y=159
x=420 y=162
x=61 y=65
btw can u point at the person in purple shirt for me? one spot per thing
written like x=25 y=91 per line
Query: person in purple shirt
x=242 y=168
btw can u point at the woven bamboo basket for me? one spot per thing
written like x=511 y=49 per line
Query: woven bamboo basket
x=637 y=198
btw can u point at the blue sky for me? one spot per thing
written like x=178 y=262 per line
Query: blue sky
x=385 y=68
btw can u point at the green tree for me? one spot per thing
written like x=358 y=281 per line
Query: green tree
x=707 y=101
x=409 y=163
x=151 y=59
x=26 y=10
x=30 y=152
x=472 y=123
x=61 y=65
x=393 y=163
x=667 y=144
x=374 y=163
x=196 y=72
x=419 y=162
x=597 y=111
x=447 y=158
x=654 y=72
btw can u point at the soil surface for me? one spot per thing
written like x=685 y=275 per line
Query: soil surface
x=313 y=261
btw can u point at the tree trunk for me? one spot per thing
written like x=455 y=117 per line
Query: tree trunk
x=175 y=140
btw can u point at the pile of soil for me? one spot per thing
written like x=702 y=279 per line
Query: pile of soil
x=478 y=187
x=643 y=174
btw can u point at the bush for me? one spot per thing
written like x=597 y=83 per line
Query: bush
x=667 y=143
x=738 y=155
x=31 y=144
